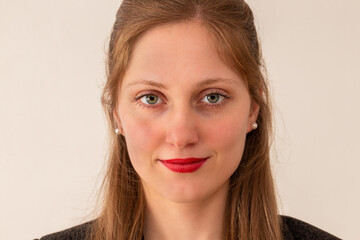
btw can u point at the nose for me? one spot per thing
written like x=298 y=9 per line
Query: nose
x=181 y=127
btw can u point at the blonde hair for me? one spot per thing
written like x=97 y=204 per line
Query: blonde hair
x=251 y=210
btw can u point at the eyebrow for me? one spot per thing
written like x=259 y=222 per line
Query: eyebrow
x=202 y=83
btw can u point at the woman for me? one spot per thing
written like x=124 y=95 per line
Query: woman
x=190 y=128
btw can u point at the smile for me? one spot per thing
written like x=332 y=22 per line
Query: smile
x=186 y=165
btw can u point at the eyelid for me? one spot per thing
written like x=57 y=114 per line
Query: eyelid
x=147 y=92
x=215 y=90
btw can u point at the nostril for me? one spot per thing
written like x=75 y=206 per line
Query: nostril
x=181 y=130
x=182 y=138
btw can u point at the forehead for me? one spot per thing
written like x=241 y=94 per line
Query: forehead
x=182 y=39
x=175 y=51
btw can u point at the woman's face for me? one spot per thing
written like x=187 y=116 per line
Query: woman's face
x=179 y=100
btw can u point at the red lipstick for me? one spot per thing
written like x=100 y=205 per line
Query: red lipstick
x=184 y=165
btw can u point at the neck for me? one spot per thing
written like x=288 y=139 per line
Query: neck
x=202 y=219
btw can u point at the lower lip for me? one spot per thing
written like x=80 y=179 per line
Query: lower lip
x=184 y=167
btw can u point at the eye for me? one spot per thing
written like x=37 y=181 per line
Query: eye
x=150 y=99
x=213 y=98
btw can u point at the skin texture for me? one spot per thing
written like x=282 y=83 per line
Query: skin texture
x=183 y=120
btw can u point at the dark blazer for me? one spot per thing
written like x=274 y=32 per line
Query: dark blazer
x=293 y=229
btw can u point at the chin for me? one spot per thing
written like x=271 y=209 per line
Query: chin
x=182 y=194
x=185 y=198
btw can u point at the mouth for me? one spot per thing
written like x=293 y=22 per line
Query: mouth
x=184 y=165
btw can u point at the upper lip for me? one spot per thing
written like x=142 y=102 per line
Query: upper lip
x=184 y=160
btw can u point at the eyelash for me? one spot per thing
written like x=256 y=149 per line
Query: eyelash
x=211 y=105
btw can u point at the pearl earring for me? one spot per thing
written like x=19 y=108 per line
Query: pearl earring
x=117 y=131
x=254 y=125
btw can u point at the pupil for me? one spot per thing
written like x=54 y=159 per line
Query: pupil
x=151 y=99
x=213 y=98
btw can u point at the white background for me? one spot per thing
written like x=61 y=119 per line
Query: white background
x=53 y=132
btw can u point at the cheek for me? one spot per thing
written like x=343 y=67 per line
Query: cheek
x=227 y=139
x=141 y=138
x=227 y=132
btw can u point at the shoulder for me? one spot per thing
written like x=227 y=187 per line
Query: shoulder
x=292 y=228
x=295 y=229
x=78 y=232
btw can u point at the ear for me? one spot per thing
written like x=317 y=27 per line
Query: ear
x=117 y=120
x=254 y=112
